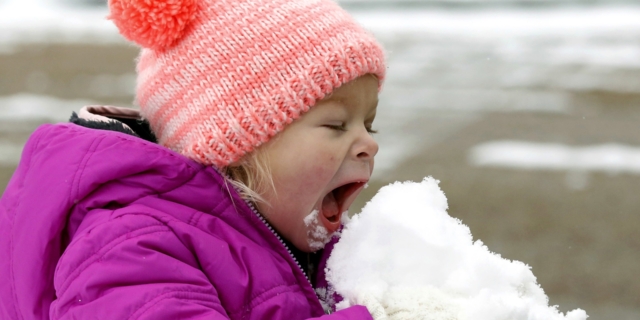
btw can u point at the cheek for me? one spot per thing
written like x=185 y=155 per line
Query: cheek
x=325 y=165
x=315 y=160
x=307 y=171
x=332 y=155
x=315 y=175
x=313 y=178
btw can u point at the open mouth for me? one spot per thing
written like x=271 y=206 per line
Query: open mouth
x=338 y=201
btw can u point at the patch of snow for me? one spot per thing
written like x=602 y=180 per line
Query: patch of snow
x=498 y=23
x=317 y=234
x=597 y=36
x=46 y=21
x=25 y=107
x=326 y=299
x=405 y=254
x=611 y=158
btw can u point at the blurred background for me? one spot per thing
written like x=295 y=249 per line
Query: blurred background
x=527 y=111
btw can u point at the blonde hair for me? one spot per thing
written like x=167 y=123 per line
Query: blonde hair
x=251 y=176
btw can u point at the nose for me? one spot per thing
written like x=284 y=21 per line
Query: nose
x=365 y=147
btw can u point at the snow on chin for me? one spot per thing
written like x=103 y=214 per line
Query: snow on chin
x=317 y=235
x=405 y=251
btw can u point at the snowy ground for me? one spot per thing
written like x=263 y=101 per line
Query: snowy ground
x=610 y=158
x=557 y=82
x=492 y=60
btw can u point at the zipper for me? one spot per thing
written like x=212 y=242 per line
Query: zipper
x=327 y=310
x=266 y=224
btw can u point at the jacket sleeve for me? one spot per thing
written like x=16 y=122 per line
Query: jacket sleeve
x=134 y=268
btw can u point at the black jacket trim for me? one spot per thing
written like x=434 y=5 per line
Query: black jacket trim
x=137 y=128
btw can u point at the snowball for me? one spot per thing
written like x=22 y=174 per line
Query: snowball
x=418 y=262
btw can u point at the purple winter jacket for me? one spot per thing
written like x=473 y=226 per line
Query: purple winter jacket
x=99 y=224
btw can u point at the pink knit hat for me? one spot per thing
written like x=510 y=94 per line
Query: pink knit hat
x=217 y=78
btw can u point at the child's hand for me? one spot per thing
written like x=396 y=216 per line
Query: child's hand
x=373 y=305
x=410 y=303
x=407 y=303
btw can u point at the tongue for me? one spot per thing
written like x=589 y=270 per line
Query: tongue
x=330 y=206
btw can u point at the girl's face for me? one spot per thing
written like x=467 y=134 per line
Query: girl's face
x=320 y=163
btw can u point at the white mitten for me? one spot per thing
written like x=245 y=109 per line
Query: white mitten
x=423 y=303
x=373 y=305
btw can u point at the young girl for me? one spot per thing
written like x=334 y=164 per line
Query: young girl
x=253 y=140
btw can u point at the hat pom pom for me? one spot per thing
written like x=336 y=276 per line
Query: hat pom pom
x=154 y=24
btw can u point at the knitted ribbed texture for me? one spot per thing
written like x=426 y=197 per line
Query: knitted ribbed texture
x=241 y=70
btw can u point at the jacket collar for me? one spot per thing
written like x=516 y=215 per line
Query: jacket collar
x=125 y=120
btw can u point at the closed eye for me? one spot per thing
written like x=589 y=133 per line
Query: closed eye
x=337 y=127
x=368 y=125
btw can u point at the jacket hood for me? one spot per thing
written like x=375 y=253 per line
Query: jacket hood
x=67 y=170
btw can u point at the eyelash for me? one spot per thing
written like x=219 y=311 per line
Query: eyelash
x=338 y=128
x=343 y=128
